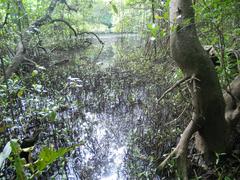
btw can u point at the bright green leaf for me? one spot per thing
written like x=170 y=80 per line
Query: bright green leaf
x=20 y=92
x=52 y=116
x=114 y=7
x=48 y=155
x=18 y=162
x=34 y=73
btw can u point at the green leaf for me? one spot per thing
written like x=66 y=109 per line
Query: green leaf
x=52 y=115
x=153 y=29
x=18 y=162
x=20 y=92
x=141 y=174
x=48 y=155
x=227 y=178
x=5 y=153
x=114 y=7
x=159 y=17
x=34 y=73
x=149 y=26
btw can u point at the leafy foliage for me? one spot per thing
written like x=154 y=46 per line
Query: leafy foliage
x=46 y=157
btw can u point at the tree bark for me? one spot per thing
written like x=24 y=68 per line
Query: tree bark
x=207 y=97
x=212 y=120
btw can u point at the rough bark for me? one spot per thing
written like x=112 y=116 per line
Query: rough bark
x=213 y=121
x=232 y=110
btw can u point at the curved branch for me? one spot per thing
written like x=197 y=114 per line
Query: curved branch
x=46 y=18
x=174 y=86
x=69 y=7
x=180 y=152
x=24 y=42
x=100 y=52
x=67 y=23
x=99 y=40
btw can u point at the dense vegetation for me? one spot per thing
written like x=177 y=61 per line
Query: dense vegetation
x=89 y=89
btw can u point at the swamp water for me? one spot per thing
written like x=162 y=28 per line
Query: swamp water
x=103 y=155
x=108 y=123
x=96 y=104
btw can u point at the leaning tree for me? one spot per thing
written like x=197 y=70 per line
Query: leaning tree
x=23 y=45
x=216 y=113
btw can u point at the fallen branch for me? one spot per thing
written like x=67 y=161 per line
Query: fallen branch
x=31 y=61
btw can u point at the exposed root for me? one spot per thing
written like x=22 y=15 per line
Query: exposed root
x=176 y=119
x=180 y=152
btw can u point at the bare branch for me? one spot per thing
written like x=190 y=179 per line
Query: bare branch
x=70 y=8
x=180 y=152
x=67 y=23
x=100 y=41
x=173 y=87
x=179 y=117
x=45 y=19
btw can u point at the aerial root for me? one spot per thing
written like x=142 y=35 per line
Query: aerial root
x=186 y=79
x=180 y=152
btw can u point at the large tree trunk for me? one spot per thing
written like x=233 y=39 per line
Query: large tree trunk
x=213 y=129
x=207 y=97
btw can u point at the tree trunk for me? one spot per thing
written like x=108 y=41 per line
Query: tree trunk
x=207 y=97
x=208 y=120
